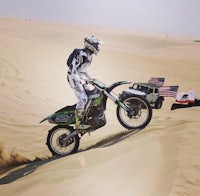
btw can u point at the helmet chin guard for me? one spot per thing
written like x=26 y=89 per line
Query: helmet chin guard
x=92 y=44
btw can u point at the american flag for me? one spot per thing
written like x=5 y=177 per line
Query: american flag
x=157 y=81
x=168 y=91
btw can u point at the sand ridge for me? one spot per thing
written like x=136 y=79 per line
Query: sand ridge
x=162 y=159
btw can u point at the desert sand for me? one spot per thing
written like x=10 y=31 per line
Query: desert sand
x=161 y=160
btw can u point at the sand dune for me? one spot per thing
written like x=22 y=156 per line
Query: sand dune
x=163 y=159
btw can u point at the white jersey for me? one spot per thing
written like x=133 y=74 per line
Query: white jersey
x=78 y=63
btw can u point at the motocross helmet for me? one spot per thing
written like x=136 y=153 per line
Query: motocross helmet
x=92 y=44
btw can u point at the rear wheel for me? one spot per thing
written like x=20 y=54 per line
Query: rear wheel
x=57 y=142
x=139 y=114
x=158 y=103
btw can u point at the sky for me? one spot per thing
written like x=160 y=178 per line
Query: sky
x=177 y=17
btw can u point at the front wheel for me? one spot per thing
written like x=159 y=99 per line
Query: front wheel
x=57 y=142
x=139 y=114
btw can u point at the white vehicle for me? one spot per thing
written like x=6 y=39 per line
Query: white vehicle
x=147 y=90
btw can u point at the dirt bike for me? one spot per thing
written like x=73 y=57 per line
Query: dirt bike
x=133 y=112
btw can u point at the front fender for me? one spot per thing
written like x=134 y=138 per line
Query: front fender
x=135 y=92
x=114 y=85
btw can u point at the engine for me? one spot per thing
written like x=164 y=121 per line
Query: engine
x=96 y=118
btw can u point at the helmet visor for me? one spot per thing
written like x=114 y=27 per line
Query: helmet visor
x=96 y=46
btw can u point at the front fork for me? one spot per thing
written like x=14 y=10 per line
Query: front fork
x=117 y=101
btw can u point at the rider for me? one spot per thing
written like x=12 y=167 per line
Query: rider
x=77 y=75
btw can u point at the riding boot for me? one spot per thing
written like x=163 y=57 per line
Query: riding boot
x=78 y=117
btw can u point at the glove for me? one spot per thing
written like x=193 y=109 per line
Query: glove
x=82 y=82
x=87 y=81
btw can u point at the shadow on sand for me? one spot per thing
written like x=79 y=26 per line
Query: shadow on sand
x=32 y=167
x=28 y=169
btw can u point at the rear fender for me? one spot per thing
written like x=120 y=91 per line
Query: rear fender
x=48 y=118
x=64 y=116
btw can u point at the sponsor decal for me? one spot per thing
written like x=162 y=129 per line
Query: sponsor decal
x=63 y=117
x=94 y=96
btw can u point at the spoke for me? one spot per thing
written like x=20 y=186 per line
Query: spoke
x=55 y=144
x=138 y=115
